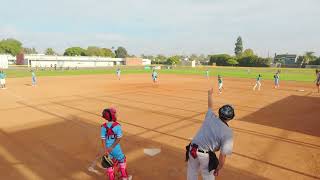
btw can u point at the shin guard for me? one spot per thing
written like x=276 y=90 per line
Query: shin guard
x=123 y=170
x=110 y=173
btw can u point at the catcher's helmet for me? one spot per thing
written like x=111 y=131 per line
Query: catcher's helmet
x=109 y=114
x=226 y=112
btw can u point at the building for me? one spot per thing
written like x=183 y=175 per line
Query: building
x=146 y=62
x=286 y=59
x=4 y=61
x=80 y=61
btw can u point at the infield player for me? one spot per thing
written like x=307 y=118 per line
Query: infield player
x=34 y=80
x=111 y=134
x=154 y=76
x=318 y=80
x=276 y=80
x=258 y=83
x=220 y=84
x=207 y=73
x=2 y=80
x=118 y=73
x=214 y=135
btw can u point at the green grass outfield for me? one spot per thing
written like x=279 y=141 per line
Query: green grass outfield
x=287 y=74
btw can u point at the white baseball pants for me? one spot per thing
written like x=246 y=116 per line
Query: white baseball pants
x=199 y=164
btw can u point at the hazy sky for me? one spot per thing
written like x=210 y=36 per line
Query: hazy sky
x=165 y=26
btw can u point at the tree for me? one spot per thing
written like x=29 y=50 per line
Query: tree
x=75 y=51
x=315 y=62
x=193 y=57
x=97 y=51
x=107 y=53
x=232 y=62
x=239 y=47
x=173 y=60
x=300 y=60
x=10 y=46
x=121 y=52
x=160 y=59
x=220 y=59
x=203 y=59
x=254 y=61
x=93 y=51
x=30 y=51
x=49 y=51
x=308 y=57
x=248 y=52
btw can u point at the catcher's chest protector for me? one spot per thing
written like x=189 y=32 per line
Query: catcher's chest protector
x=109 y=133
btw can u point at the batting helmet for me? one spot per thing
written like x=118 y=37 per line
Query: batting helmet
x=109 y=114
x=226 y=112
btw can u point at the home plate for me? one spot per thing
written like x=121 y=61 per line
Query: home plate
x=152 y=151
x=301 y=90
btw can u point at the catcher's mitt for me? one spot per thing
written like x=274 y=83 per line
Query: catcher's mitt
x=106 y=162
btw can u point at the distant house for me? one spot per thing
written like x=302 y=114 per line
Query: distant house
x=286 y=59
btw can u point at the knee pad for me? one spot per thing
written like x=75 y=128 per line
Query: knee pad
x=110 y=173
x=123 y=170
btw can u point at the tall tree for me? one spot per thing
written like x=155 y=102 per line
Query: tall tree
x=49 y=51
x=75 y=51
x=10 y=46
x=121 y=52
x=239 y=47
x=30 y=51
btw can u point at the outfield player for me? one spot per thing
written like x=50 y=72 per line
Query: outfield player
x=220 y=84
x=118 y=73
x=2 y=80
x=154 y=76
x=318 y=80
x=258 y=83
x=276 y=80
x=207 y=73
x=214 y=135
x=111 y=134
x=34 y=80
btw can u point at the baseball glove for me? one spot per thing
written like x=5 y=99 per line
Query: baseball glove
x=106 y=162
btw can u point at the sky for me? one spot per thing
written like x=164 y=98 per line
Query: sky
x=165 y=26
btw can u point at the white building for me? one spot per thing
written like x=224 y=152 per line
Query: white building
x=146 y=62
x=4 y=61
x=71 y=61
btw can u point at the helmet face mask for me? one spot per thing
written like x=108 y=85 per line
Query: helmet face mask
x=226 y=112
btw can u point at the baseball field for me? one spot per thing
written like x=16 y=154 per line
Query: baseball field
x=52 y=131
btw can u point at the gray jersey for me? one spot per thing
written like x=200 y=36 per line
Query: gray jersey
x=214 y=135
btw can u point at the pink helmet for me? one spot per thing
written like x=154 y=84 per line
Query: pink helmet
x=109 y=114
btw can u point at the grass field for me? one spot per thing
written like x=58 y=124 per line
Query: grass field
x=305 y=75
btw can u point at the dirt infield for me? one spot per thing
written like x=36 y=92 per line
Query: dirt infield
x=52 y=131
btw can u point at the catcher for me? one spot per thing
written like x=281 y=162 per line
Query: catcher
x=111 y=134
x=214 y=135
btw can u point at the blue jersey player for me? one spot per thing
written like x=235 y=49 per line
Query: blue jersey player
x=111 y=134
x=154 y=76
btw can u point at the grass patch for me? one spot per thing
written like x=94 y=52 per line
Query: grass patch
x=305 y=75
